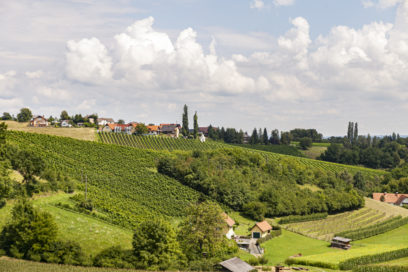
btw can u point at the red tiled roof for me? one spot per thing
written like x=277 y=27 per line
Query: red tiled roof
x=263 y=226
x=390 y=198
x=230 y=222
x=153 y=128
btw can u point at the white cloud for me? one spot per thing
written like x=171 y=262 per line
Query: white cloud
x=34 y=74
x=54 y=93
x=7 y=82
x=88 y=61
x=381 y=3
x=283 y=2
x=257 y=4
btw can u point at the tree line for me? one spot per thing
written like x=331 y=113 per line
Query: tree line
x=373 y=152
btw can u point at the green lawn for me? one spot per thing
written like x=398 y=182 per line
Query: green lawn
x=278 y=249
x=243 y=224
x=314 y=151
x=389 y=241
x=92 y=234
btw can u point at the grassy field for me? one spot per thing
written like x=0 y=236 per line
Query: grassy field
x=373 y=213
x=402 y=261
x=92 y=234
x=314 y=151
x=14 y=265
x=88 y=134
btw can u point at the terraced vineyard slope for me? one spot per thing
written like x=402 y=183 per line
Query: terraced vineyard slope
x=157 y=142
x=373 y=213
x=122 y=182
x=167 y=143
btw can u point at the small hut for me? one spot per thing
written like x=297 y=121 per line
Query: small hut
x=236 y=265
x=260 y=230
x=340 y=242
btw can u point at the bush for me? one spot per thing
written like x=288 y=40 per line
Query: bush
x=253 y=261
x=380 y=268
x=268 y=237
x=302 y=218
x=322 y=264
x=115 y=257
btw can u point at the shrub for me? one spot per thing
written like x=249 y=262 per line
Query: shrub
x=268 y=237
x=380 y=268
x=253 y=261
x=115 y=257
x=322 y=264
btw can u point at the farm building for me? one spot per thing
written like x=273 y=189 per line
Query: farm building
x=261 y=229
x=229 y=227
x=340 y=242
x=104 y=121
x=170 y=129
x=65 y=123
x=394 y=199
x=236 y=265
x=118 y=128
x=39 y=121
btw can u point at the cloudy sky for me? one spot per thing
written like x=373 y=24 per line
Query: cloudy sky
x=238 y=63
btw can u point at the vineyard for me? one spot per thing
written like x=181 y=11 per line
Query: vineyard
x=157 y=142
x=167 y=143
x=122 y=182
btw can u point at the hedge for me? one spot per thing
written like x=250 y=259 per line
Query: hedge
x=302 y=218
x=380 y=268
x=369 y=231
x=321 y=264
x=376 y=258
x=268 y=237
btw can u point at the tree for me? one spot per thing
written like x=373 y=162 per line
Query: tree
x=28 y=164
x=275 y=137
x=355 y=136
x=185 y=130
x=254 y=137
x=265 y=137
x=155 y=246
x=286 y=138
x=121 y=121
x=201 y=232
x=25 y=115
x=305 y=143
x=212 y=134
x=29 y=233
x=141 y=129
x=3 y=133
x=195 y=133
x=64 y=115
x=359 y=181
x=6 y=116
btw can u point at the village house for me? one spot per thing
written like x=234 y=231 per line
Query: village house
x=39 y=121
x=229 y=226
x=153 y=130
x=170 y=129
x=104 y=121
x=65 y=124
x=394 y=199
x=118 y=128
x=260 y=230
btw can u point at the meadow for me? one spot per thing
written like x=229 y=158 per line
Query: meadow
x=87 y=134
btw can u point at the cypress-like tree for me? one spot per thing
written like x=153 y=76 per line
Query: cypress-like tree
x=195 y=133
x=254 y=137
x=185 y=130
x=265 y=137
x=355 y=133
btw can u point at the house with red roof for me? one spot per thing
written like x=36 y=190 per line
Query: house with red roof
x=261 y=229
x=394 y=199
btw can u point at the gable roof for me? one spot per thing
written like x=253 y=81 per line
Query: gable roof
x=105 y=119
x=230 y=222
x=263 y=226
x=236 y=265
x=390 y=198
x=153 y=128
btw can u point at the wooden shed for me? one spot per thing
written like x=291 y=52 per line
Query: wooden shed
x=236 y=265
x=340 y=242
x=261 y=229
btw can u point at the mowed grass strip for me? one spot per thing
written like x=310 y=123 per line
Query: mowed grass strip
x=87 y=134
x=92 y=234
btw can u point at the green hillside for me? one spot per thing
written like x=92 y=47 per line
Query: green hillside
x=122 y=182
x=157 y=142
x=167 y=143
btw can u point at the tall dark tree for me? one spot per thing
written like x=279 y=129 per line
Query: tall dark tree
x=185 y=130
x=64 y=115
x=350 y=132
x=25 y=115
x=6 y=116
x=254 y=137
x=3 y=133
x=265 y=137
x=275 y=137
x=286 y=137
x=355 y=136
x=195 y=133
x=212 y=134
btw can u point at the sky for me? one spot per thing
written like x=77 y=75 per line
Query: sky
x=239 y=63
